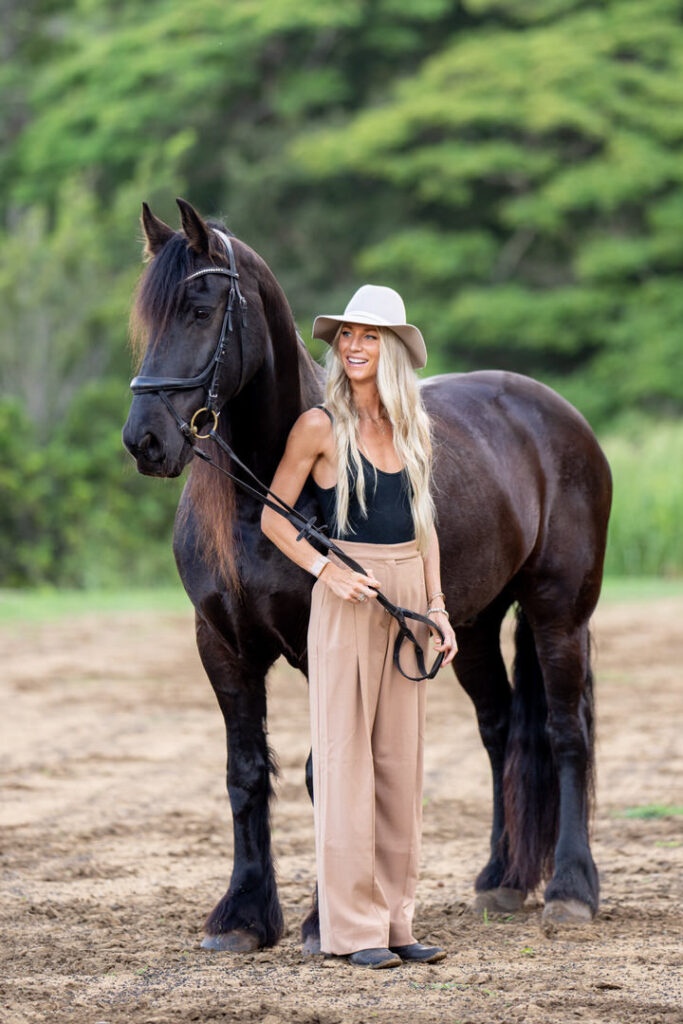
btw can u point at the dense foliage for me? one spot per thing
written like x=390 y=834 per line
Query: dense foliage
x=512 y=166
x=645 y=534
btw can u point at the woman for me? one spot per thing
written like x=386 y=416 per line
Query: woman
x=369 y=452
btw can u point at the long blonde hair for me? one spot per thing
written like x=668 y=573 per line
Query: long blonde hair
x=398 y=391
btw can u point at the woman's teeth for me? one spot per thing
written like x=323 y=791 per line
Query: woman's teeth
x=357 y=362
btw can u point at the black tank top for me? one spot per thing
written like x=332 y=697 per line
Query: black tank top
x=389 y=519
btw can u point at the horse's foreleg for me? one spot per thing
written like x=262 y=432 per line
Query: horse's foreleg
x=573 y=891
x=481 y=671
x=249 y=915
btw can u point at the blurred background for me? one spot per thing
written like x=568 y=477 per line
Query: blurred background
x=513 y=167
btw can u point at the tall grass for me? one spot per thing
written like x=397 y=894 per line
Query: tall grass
x=646 y=527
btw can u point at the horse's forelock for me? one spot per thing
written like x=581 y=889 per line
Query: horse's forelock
x=159 y=291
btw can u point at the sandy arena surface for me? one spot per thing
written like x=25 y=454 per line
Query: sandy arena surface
x=117 y=842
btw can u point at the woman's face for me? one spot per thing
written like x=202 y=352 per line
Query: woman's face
x=359 y=351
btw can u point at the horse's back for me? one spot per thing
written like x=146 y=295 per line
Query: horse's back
x=513 y=417
x=458 y=396
x=520 y=481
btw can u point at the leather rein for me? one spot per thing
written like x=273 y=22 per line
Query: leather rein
x=234 y=322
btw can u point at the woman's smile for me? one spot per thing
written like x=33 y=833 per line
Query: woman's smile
x=359 y=349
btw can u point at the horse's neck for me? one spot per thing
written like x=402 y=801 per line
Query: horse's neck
x=262 y=415
x=287 y=382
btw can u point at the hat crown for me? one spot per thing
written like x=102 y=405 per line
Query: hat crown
x=377 y=300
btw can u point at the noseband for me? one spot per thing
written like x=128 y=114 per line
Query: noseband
x=213 y=372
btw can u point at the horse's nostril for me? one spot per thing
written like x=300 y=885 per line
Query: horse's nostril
x=148 y=447
x=151 y=448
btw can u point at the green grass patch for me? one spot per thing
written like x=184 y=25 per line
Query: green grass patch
x=650 y=811
x=631 y=589
x=50 y=604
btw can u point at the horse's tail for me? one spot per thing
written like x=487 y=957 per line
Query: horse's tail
x=530 y=785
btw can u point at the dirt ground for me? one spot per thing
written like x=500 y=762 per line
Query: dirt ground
x=117 y=842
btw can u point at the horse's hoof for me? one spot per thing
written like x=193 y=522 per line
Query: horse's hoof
x=311 y=945
x=499 y=901
x=237 y=941
x=565 y=912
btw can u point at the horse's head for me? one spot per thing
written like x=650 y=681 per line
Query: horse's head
x=200 y=347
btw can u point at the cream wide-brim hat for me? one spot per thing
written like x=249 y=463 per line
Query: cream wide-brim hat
x=377 y=306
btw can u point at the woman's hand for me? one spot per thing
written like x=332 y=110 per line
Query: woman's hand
x=449 y=644
x=349 y=585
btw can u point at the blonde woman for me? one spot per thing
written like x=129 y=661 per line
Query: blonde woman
x=368 y=452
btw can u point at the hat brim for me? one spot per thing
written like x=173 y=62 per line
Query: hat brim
x=325 y=328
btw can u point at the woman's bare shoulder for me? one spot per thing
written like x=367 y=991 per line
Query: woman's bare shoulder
x=312 y=432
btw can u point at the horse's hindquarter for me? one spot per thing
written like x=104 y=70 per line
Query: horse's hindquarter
x=518 y=479
x=565 y=567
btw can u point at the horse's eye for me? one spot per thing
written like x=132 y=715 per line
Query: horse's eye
x=202 y=314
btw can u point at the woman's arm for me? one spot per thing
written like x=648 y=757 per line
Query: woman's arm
x=304 y=446
x=309 y=438
x=432 y=571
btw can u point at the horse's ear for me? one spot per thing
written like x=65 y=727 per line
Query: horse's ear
x=194 y=227
x=157 y=233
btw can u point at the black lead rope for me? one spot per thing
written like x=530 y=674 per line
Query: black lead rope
x=308 y=529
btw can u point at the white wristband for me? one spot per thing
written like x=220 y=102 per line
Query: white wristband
x=319 y=565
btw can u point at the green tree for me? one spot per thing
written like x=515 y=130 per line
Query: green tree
x=512 y=166
x=538 y=156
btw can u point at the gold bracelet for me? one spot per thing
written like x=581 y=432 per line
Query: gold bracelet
x=439 y=594
x=430 y=610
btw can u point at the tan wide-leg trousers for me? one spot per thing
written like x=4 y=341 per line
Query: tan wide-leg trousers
x=367 y=725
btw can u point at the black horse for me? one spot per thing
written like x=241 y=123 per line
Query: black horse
x=522 y=492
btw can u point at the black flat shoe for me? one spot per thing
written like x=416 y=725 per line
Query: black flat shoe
x=416 y=953
x=375 y=959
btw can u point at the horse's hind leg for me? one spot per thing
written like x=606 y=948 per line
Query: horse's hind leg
x=310 y=927
x=481 y=671
x=563 y=653
x=249 y=915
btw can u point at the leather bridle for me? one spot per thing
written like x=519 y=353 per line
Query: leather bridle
x=210 y=378
x=212 y=373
